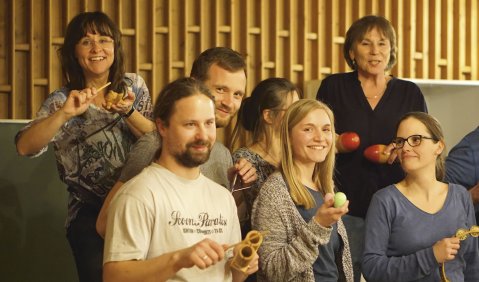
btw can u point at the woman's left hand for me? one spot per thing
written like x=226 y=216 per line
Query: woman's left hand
x=125 y=104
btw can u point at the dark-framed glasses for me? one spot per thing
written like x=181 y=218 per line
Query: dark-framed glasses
x=413 y=140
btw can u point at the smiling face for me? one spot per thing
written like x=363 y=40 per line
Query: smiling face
x=371 y=53
x=422 y=157
x=95 y=54
x=228 y=88
x=191 y=131
x=311 y=138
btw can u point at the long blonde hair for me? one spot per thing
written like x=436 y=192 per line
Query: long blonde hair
x=323 y=171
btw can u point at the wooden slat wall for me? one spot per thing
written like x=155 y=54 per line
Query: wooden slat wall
x=298 y=39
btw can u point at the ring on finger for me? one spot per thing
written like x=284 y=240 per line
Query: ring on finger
x=205 y=257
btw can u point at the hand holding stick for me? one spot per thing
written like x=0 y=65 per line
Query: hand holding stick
x=101 y=88
x=462 y=234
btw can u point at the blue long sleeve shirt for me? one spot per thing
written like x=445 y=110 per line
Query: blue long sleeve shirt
x=399 y=238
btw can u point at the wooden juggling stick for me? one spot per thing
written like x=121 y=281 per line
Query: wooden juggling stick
x=462 y=234
x=246 y=250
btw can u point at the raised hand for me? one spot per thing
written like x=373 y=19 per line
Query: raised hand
x=245 y=171
x=125 y=104
x=327 y=214
x=78 y=101
x=392 y=152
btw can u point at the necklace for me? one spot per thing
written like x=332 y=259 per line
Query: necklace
x=373 y=97
x=379 y=94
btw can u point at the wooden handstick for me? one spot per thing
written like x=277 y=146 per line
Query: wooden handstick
x=99 y=89
x=254 y=238
x=251 y=238
x=244 y=255
x=462 y=234
x=246 y=250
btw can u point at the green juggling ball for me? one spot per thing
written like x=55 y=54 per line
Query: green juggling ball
x=339 y=199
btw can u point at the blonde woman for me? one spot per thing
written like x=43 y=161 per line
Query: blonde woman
x=307 y=240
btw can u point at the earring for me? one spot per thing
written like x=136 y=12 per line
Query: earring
x=354 y=64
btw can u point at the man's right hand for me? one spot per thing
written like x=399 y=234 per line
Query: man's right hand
x=202 y=254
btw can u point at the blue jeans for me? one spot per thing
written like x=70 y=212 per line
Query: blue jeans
x=86 y=245
x=355 y=229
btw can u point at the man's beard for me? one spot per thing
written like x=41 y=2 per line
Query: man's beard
x=222 y=122
x=190 y=159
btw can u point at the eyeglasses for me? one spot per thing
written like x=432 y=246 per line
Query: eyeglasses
x=413 y=140
x=103 y=42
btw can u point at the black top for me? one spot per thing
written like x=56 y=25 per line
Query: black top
x=355 y=175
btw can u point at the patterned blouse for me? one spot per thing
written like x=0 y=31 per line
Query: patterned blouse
x=91 y=148
x=263 y=170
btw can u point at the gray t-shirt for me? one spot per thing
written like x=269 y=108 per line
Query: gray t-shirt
x=144 y=151
x=399 y=238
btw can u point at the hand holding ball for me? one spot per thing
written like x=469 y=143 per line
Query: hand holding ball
x=333 y=208
x=339 y=199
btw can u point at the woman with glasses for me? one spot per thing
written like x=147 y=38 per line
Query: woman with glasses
x=411 y=225
x=90 y=135
x=261 y=115
x=306 y=239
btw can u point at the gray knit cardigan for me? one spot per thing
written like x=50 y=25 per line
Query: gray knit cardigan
x=292 y=245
